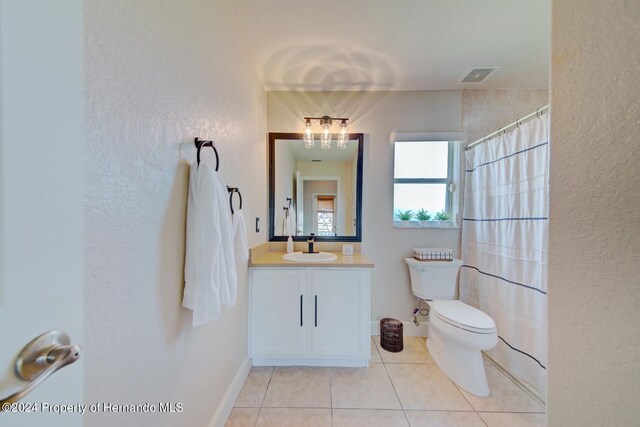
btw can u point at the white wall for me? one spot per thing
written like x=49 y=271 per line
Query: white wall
x=377 y=115
x=159 y=74
x=285 y=166
x=594 y=285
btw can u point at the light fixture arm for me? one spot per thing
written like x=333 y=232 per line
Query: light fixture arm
x=326 y=118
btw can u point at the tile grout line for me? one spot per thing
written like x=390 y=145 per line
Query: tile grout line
x=475 y=411
x=266 y=390
x=404 y=412
x=393 y=385
x=331 y=392
x=265 y=395
x=481 y=419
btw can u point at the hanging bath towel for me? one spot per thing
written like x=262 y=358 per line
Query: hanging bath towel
x=202 y=287
x=290 y=222
x=240 y=233
x=227 y=263
x=210 y=275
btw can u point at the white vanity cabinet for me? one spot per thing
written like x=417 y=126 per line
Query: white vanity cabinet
x=309 y=316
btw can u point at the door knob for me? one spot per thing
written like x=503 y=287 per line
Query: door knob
x=40 y=358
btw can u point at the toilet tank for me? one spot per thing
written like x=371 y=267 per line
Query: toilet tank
x=434 y=280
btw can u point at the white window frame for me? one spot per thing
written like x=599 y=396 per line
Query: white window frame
x=456 y=141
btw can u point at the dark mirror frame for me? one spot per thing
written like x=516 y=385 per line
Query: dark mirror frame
x=273 y=136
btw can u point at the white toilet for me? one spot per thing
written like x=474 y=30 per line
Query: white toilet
x=457 y=332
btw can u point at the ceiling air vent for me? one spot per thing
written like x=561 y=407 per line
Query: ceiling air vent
x=477 y=75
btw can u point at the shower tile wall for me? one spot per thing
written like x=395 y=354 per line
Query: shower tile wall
x=484 y=111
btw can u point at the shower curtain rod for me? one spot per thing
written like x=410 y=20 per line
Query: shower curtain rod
x=517 y=123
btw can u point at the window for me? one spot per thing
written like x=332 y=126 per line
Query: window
x=422 y=181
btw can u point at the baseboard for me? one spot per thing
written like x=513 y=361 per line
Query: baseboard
x=226 y=404
x=533 y=393
x=409 y=329
x=334 y=362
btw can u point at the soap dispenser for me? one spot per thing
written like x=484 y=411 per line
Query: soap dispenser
x=289 y=245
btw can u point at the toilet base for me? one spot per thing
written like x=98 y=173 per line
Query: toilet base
x=463 y=365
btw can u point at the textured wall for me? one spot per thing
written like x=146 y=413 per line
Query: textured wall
x=594 y=285
x=484 y=111
x=159 y=73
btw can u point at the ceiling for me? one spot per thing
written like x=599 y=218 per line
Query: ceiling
x=362 y=45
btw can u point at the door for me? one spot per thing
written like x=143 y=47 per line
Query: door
x=340 y=313
x=278 y=313
x=41 y=195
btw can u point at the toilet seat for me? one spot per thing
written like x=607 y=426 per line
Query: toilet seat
x=463 y=316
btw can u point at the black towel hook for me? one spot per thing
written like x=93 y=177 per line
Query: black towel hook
x=232 y=190
x=199 y=144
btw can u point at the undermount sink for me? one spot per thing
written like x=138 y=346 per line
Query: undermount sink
x=307 y=257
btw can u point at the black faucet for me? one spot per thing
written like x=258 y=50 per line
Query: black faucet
x=311 y=240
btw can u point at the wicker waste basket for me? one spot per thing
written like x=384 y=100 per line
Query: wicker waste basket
x=391 y=335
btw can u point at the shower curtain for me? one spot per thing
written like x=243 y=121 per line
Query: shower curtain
x=504 y=246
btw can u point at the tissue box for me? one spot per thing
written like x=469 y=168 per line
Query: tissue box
x=433 y=254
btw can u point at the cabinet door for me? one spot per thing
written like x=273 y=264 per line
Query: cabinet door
x=340 y=299
x=277 y=313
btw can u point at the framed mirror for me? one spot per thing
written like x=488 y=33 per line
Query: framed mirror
x=315 y=190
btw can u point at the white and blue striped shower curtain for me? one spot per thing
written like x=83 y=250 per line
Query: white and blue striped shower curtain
x=504 y=245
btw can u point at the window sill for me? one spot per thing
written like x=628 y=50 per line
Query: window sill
x=424 y=224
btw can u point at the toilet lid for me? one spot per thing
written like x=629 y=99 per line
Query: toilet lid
x=463 y=316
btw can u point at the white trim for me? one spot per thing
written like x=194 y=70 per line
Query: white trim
x=424 y=224
x=226 y=404
x=427 y=136
x=409 y=329
x=311 y=361
x=523 y=385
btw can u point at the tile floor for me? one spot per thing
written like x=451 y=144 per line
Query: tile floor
x=397 y=389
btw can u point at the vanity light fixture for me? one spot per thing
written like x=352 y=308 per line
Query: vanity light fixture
x=325 y=135
x=343 y=136
x=308 y=134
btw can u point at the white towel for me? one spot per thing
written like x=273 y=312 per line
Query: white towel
x=240 y=233
x=227 y=265
x=201 y=290
x=210 y=275
x=290 y=221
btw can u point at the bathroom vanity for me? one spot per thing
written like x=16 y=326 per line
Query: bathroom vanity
x=309 y=314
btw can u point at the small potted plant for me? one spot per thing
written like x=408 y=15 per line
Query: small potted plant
x=404 y=216
x=423 y=216
x=443 y=218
